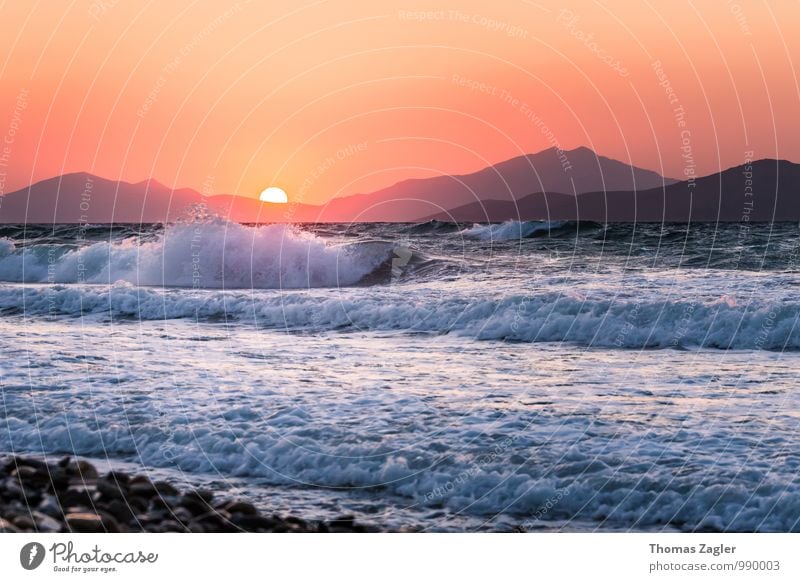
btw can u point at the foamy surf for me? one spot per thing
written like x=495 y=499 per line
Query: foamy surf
x=510 y=230
x=212 y=254
x=548 y=317
x=581 y=486
x=623 y=377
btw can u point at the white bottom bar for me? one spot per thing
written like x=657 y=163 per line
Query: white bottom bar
x=405 y=557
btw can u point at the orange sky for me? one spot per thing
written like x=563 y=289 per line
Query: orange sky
x=328 y=98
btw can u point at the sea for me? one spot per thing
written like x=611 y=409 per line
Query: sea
x=535 y=376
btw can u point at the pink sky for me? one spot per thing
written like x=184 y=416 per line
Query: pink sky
x=328 y=98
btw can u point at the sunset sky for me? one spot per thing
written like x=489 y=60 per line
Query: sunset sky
x=336 y=97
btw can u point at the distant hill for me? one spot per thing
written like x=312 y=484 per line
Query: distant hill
x=575 y=171
x=523 y=188
x=85 y=197
x=718 y=197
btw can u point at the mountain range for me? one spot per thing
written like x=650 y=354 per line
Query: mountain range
x=571 y=185
x=765 y=190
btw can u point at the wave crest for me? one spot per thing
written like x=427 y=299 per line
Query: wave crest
x=213 y=254
x=548 y=317
x=511 y=230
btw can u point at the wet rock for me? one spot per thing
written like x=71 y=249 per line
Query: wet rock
x=16 y=489
x=12 y=489
x=46 y=523
x=138 y=503
x=77 y=496
x=118 y=477
x=82 y=469
x=109 y=523
x=299 y=524
x=139 y=479
x=222 y=513
x=142 y=488
x=109 y=490
x=17 y=462
x=343 y=522
x=164 y=502
x=23 y=522
x=203 y=495
x=30 y=495
x=50 y=507
x=69 y=497
x=121 y=511
x=217 y=521
x=194 y=504
x=59 y=479
x=171 y=526
x=183 y=515
x=164 y=488
x=240 y=507
x=27 y=474
x=85 y=523
x=147 y=520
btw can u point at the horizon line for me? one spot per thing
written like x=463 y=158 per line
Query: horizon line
x=255 y=197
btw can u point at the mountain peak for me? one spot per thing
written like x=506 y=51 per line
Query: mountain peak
x=551 y=170
x=600 y=186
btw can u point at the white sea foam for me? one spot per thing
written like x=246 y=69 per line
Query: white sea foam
x=7 y=247
x=509 y=230
x=548 y=317
x=545 y=433
x=214 y=254
x=577 y=485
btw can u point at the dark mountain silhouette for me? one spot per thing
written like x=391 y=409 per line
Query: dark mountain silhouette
x=775 y=193
x=719 y=197
x=575 y=172
x=83 y=197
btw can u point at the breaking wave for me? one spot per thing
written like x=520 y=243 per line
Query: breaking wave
x=215 y=254
x=547 y=317
x=511 y=230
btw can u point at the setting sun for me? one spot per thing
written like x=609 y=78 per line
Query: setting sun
x=274 y=195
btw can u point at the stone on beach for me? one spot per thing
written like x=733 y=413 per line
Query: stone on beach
x=71 y=496
x=84 y=522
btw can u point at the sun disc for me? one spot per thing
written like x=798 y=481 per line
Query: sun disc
x=274 y=195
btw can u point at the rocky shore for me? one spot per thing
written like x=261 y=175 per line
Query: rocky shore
x=71 y=496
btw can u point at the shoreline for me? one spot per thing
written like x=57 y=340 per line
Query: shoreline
x=71 y=496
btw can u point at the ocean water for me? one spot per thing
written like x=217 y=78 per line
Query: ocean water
x=549 y=376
